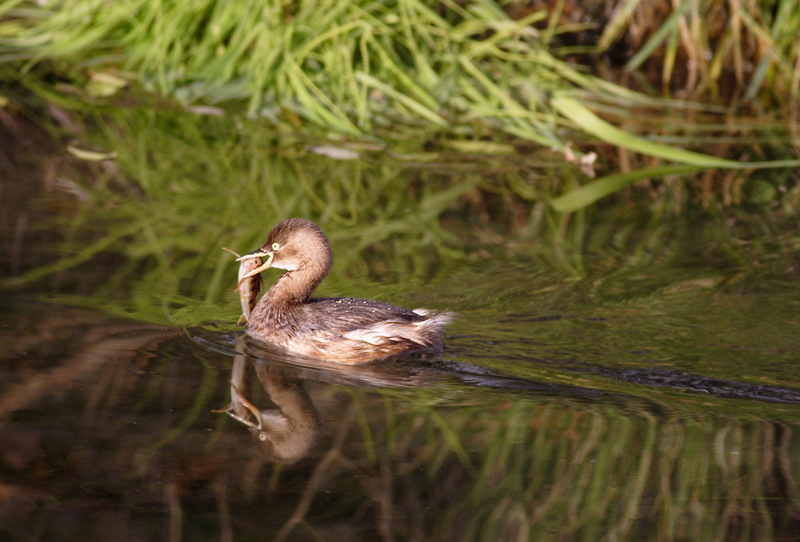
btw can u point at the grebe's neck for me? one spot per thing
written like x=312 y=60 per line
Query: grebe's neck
x=302 y=250
x=295 y=287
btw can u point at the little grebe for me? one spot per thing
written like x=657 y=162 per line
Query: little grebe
x=343 y=329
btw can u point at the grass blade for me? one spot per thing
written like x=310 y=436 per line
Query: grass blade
x=594 y=125
x=605 y=186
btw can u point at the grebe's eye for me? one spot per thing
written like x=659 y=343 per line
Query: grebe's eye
x=276 y=246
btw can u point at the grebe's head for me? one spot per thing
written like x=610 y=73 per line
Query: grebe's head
x=292 y=245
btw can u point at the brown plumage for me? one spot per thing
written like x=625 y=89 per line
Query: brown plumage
x=345 y=330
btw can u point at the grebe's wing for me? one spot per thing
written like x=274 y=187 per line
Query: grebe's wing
x=350 y=313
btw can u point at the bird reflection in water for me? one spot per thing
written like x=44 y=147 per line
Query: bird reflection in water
x=284 y=433
x=347 y=330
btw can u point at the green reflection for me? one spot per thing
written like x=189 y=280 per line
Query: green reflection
x=507 y=467
x=570 y=303
x=182 y=186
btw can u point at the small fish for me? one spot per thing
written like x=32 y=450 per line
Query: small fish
x=248 y=287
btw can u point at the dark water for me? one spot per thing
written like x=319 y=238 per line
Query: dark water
x=621 y=386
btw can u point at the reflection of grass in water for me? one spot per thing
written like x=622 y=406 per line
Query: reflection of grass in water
x=570 y=470
x=183 y=186
x=429 y=463
x=527 y=467
x=512 y=467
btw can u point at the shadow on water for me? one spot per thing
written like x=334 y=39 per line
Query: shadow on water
x=628 y=375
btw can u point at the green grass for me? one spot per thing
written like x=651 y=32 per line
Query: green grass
x=348 y=67
x=421 y=71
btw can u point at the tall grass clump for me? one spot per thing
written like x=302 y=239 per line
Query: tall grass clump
x=350 y=66
x=423 y=69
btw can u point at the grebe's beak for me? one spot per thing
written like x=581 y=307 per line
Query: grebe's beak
x=257 y=254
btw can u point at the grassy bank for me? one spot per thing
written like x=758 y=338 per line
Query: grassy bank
x=453 y=73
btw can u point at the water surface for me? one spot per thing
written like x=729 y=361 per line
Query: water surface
x=631 y=376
